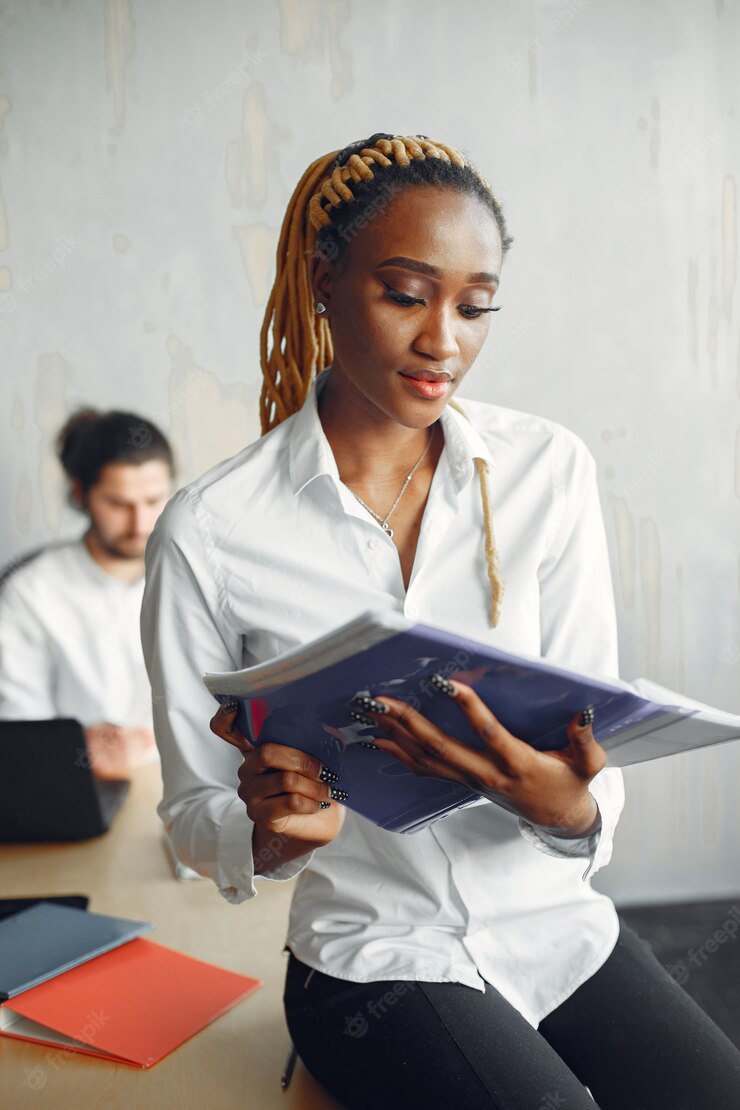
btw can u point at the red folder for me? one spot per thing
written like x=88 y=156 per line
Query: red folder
x=132 y=1005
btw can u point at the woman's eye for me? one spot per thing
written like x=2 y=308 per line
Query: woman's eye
x=470 y=311
x=402 y=298
x=473 y=311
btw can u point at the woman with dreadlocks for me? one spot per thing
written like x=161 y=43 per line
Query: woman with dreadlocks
x=472 y=961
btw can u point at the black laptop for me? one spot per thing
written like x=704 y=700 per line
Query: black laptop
x=47 y=788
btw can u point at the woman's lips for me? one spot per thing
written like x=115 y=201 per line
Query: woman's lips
x=427 y=384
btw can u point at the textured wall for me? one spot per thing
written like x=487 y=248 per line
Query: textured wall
x=148 y=151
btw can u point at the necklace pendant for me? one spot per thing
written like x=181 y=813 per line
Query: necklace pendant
x=383 y=521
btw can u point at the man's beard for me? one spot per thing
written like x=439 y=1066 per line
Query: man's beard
x=113 y=549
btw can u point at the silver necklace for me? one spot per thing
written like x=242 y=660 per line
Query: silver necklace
x=383 y=520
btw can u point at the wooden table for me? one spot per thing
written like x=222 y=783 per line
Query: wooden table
x=237 y=1060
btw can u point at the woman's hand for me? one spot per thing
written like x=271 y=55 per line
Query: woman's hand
x=290 y=797
x=550 y=789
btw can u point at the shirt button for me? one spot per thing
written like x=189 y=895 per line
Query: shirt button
x=412 y=610
x=374 y=543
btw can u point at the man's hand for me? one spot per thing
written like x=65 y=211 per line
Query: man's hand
x=114 y=750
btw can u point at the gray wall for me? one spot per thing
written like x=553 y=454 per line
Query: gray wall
x=148 y=153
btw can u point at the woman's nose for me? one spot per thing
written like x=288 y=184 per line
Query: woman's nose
x=437 y=338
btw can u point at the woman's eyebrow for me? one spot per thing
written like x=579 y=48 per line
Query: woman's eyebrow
x=432 y=271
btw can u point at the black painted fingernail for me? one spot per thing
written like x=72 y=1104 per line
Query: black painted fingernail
x=328 y=776
x=325 y=805
x=371 y=705
x=587 y=717
x=363 y=720
x=338 y=795
x=230 y=706
x=369 y=745
x=442 y=685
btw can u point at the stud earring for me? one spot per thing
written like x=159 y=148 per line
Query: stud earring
x=320 y=308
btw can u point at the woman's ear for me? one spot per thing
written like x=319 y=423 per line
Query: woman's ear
x=322 y=278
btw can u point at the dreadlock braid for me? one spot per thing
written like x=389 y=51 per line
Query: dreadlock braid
x=301 y=343
x=334 y=190
x=295 y=343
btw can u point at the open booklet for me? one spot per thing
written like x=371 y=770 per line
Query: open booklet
x=303 y=698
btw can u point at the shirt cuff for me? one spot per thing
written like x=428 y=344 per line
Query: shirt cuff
x=583 y=847
x=607 y=789
x=236 y=872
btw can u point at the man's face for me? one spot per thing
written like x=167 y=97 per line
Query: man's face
x=124 y=505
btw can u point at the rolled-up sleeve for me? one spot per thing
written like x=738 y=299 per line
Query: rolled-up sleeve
x=578 y=623
x=187 y=629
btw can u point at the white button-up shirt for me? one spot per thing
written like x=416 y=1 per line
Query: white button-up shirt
x=269 y=550
x=70 y=644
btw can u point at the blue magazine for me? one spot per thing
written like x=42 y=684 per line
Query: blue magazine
x=303 y=699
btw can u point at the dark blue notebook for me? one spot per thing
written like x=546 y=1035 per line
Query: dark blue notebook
x=44 y=941
x=303 y=699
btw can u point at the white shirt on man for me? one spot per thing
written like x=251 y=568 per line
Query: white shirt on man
x=269 y=550
x=70 y=644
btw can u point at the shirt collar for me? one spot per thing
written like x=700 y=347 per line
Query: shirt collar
x=463 y=445
x=310 y=454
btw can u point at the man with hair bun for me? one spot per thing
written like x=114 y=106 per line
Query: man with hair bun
x=69 y=613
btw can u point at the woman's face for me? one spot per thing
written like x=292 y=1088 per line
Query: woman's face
x=408 y=306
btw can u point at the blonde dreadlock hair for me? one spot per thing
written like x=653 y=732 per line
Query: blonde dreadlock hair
x=331 y=197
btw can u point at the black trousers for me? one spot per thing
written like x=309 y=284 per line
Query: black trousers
x=630 y=1034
